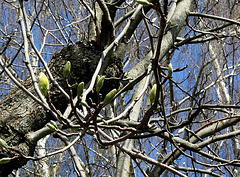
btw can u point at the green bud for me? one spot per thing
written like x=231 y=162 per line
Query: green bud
x=148 y=171
x=181 y=130
x=153 y=127
x=74 y=85
x=53 y=128
x=100 y=82
x=144 y=2
x=74 y=128
x=170 y=70
x=98 y=77
x=158 y=108
x=43 y=84
x=5 y=160
x=3 y=144
x=109 y=97
x=105 y=122
x=153 y=93
x=66 y=69
x=236 y=171
x=84 y=103
x=59 y=117
x=54 y=124
x=80 y=89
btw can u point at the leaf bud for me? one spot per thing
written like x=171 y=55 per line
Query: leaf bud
x=74 y=85
x=148 y=171
x=100 y=82
x=109 y=97
x=43 y=84
x=170 y=70
x=80 y=89
x=181 y=130
x=144 y=2
x=75 y=129
x=53 y=128
x=236 y=171
x=59 y=117
x=153 y=93
x=54 y=124
x=66 y=69
x=84 y=103
x=5 y=160
x=105 y=122
x=3 y=144
x=153 y=127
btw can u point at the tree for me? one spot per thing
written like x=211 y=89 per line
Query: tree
x=119 y=88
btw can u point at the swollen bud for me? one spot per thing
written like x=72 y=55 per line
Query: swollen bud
x=5 y=160
x=153 y=93
x=43 y=84
x=66 y=69
x=109 y=97
x=54 y=124
x=80 y=89
x=3 y=144
x=99 y=83
x=52 y=127
x=236 y=171
x=59 y=117
x=105 y=122
x=170 y=70
x=181 y=130
x=144 y=2
x=84 y=103
x=148 y=171
x=153 y=127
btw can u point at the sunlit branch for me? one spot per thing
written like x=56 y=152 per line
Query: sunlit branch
x=214 y=17
x=54 y=19
x=142 y=156
x=79 y=165
x=22 y=14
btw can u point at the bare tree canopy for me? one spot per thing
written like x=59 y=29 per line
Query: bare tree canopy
x=119 y=88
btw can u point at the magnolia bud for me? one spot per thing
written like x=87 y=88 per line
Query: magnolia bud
x=148 y=171
x=236 y=171
x=43 y=84
x=181 y=130
x=3 y=144
x=144 y=2
x=84 y=103
x=66 y=69
x=98 y=77
x=100 y=83
x=153 y=127
x=109 y=97
x=54 y=124
x=5 y=160
x=80 y=89
x=170 y=70
x=59 y=117
x=153 y=93
x=53 y=128
x=75 y=129
x=105 y=122
x=74 y=85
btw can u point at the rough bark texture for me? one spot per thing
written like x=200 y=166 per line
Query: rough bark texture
x=20 y=114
